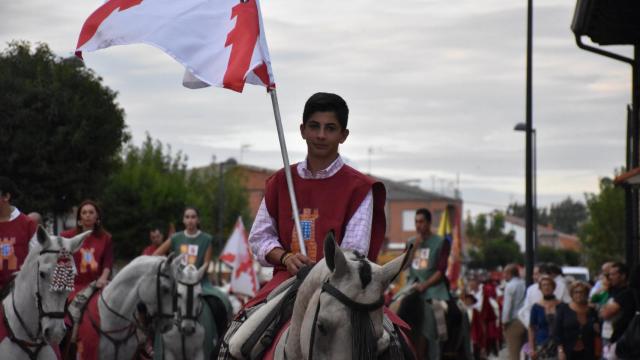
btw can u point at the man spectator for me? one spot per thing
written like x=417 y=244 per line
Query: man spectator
x=156 y=238
x=620 y=308
x=533 y=294
x=514 y=330
x=604 y=271
x=562 y=290
x=16 y=231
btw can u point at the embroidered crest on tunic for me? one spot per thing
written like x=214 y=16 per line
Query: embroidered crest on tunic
x=7 y=252
x=308 y=223
x=88 y=260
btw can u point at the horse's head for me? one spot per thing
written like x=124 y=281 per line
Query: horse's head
x=344 y=318
x=187 y=292
x=53 y=272
x=155 y=291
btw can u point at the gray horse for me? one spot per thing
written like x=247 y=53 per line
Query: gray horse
x=33 y=311
x=184 y=339
x=111 y=326
x=338 y=309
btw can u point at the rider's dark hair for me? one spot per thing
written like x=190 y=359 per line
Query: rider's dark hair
x=8 y=187
x=97 y=228
x=326 y=102
x=424 y=212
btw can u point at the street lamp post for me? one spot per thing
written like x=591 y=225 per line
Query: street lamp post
x=534 y=180
x=221 y=200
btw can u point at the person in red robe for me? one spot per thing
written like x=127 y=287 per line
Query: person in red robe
x=17 y=231
x=94 y=260
x=156 y=238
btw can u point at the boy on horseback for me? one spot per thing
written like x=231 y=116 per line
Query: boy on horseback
x=330 y=194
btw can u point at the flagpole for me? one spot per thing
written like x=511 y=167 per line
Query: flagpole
x=287 y=170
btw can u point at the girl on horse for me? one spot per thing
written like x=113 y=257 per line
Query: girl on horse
x=198 y=245
x=94 y=260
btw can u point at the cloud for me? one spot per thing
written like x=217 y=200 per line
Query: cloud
x=434 y=88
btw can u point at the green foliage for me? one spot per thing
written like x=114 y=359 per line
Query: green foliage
x=62 y=130
x=567 y=215
x=602 y=235
x=561 y=257
x=519 y=210
x=493 y=247
x=153 y=187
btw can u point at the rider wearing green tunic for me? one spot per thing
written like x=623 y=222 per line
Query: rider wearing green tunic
x=428 y=266
x=198 y=247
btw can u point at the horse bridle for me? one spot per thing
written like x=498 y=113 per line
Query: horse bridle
x=190 y=315
x=35 y=340
x=136 y=324
x=361 y=308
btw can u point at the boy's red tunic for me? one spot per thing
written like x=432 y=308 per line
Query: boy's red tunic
x=325 y=204
x=14 y=245
x=91 y=259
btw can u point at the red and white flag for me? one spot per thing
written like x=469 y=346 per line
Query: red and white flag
x=220 y=42
x=236 y=254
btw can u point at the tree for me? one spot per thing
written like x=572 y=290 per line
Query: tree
x=494 y=247
x=153 y=187
x=557 y=256
x=567 y=215
x=61 y=130
x=519 y=210
x=602 y=234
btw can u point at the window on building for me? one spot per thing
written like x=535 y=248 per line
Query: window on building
x=408 y=220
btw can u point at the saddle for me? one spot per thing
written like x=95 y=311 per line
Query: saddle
x=253 y=331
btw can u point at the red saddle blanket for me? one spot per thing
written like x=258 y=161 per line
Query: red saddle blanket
x=4 y=333
x=88 y=339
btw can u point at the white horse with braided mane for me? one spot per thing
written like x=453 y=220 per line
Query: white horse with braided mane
x=33 y=311
x=338 y=310
x=120 y=318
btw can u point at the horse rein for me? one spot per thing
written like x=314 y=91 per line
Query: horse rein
x=133 y=325
x=345 y=300
x=35 y=341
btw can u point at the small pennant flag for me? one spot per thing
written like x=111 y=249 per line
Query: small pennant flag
x=236 y=254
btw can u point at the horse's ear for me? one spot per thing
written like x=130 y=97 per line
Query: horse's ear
x=391 y=269
x=202 y=272
x=177 y=264
x=333 y=255
x=43 y=237
x=75 y=242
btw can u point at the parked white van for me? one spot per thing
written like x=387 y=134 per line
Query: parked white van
x=576 y=273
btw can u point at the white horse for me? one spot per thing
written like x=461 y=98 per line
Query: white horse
x=111 y=326
x=338 y=310
x=33 y=312
x=184 y=339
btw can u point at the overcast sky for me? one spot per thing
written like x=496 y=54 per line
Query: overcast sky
x=434 y=87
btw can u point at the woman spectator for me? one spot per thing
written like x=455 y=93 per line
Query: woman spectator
x=94 y=260
x=543 y=313
x=577 y=326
